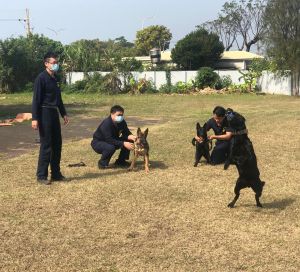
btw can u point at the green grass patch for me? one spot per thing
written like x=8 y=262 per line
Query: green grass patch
x=173 y=219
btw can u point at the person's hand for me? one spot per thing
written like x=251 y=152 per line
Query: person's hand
x=131 y=137
x=197 y=138
x=66 y=120
x=35 y=124
x=128 y=145
x=211 y=137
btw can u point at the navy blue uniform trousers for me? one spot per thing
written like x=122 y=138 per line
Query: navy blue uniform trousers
x=51 y=142
x=107 y=150
x=220 y=152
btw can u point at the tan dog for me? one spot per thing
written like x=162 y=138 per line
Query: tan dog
x=141 y=148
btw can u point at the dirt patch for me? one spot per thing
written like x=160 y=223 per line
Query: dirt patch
x=21 y=138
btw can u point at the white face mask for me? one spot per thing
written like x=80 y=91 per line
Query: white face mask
x=54 y=67
x=119 y=119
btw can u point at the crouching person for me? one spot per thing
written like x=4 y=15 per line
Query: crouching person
x=113 y=134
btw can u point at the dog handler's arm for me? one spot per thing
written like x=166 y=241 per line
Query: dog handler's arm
x=131 y=137
x=225 y=137
x=128 y=145
x=197 y=138
x=36 y=102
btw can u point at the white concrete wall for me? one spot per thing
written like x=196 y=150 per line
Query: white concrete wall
x=268 y=83
x=274 y=84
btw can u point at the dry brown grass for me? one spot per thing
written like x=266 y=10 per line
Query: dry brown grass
x=173 y=219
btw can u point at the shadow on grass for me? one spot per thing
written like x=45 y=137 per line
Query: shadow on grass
x=119 y=171
x=153 y=165
x=99 y=174
x=280 y=204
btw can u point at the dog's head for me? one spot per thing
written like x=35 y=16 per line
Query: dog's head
x=201 y=132
x=141 y=137
x=235 y=120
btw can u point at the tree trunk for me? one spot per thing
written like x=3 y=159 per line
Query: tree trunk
x=295 y=83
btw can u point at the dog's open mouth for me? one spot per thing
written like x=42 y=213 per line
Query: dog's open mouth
x=139 y=147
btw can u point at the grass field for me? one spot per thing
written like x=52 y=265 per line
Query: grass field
x=173 y=219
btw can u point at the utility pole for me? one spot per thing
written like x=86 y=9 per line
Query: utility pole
x=27 y=20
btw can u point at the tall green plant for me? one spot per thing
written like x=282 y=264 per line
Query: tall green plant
x=255 y=71
x=21 y=59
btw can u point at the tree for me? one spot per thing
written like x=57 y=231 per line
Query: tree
x=197 y=49
x=283 y=37
x=95 y=55
x=153 y=36
x=21 y=59
x=240 y=22
x=224 y=28
x=83 y=55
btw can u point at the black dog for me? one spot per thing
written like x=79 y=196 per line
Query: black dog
x=202 y=147
x=243 y=156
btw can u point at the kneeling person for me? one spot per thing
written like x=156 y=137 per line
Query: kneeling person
x=218 y=124
x=113 y=134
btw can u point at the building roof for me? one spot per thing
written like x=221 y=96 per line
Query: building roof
x=227 y=55
x=239 y=55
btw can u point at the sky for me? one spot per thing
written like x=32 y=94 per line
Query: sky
x=68 y=21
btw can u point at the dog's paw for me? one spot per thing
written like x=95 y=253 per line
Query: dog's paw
x=230 y=205
x=226 y=165
x=195 y=164
x=259 y=205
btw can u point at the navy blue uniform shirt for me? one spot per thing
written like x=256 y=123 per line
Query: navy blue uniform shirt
x=218 y=130
x=112 y=133
x=46 y=93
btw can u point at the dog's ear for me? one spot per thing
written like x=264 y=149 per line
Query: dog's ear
x=205 y=126
x=198 y=126
x=146 y=133
x=138 y=133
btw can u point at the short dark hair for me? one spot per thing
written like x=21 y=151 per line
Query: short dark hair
x=219 y=111
x=116 y=108
x=49 y=55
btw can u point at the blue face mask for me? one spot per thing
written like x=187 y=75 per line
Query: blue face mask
x=119 y=119
x=54 y=67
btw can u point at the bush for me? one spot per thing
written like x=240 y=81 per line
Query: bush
x=224 y=82
x=148 y=87
x=94 y=83
x=28 y=87
x=206 y=77
x=181 y=87
x=78 y=86
x=166 y=88
x=238 y=88
x=141 y=86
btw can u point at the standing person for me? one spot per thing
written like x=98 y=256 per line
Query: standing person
x=46 y=103
x=218 y=124
x=113 y=134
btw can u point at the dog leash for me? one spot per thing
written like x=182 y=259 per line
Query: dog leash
x=80 y=164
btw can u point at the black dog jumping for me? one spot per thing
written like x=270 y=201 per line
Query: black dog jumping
x=242 y=155
x=202 y=146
